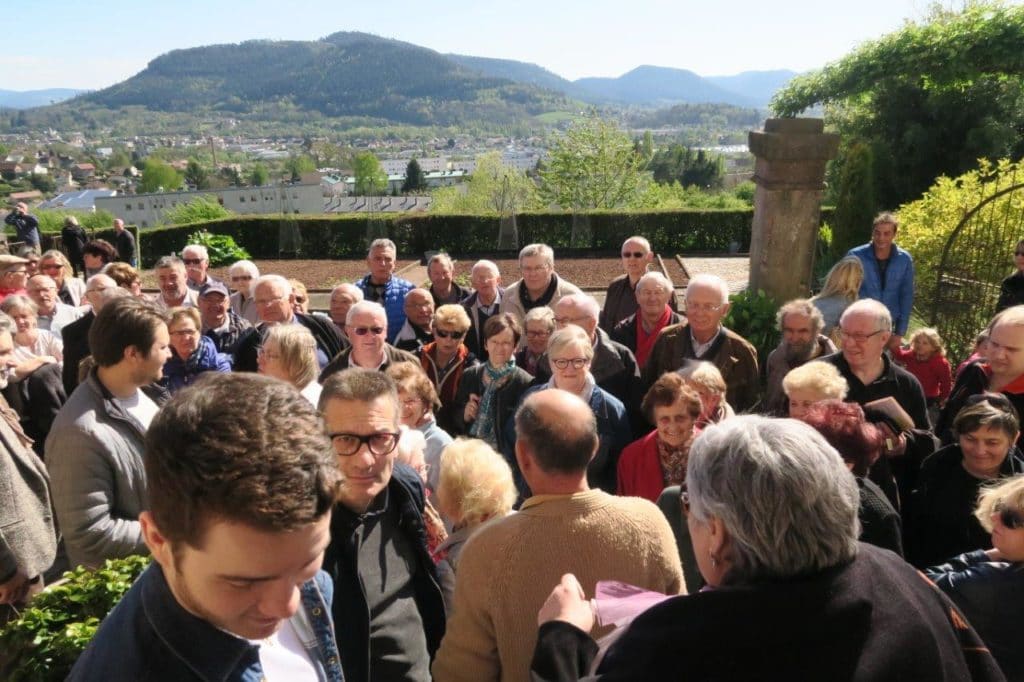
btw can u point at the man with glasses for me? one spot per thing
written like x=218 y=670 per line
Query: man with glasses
x=53 y=314
x=275 y=302
x=388 y=609
x=13 y=275
x=539 y=286
x=418 y=329
x=382 y=286
x=367 y=329
x=222 y=324
x=482 y=304
x=703 y=337
x=620 y=301
x=197 y=264
x=888 y=274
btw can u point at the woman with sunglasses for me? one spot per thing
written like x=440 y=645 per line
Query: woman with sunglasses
x=570 y=353
x=70 y=289
x=446 y=358
x=988 y=585
x=939 y=521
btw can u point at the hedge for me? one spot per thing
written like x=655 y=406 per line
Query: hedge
x=348 y=235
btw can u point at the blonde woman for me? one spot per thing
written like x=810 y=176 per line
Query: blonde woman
x=842 y=287
x=288 y=353
x=475 y=485
x=812 y=383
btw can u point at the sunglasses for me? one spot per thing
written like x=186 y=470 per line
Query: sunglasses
x=1011 y=518
x=633 y=254
x=192 y=261
x=445 y=335
x=300 y=299
x=363 y=331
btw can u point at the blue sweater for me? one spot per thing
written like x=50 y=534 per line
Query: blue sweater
x=898 y=294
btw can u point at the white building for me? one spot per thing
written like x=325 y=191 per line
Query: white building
x=427 y=165
x=147 y=210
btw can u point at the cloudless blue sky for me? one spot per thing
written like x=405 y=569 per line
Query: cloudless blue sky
x=70 y=43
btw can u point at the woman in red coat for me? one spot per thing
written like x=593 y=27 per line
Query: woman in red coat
x=648 y=465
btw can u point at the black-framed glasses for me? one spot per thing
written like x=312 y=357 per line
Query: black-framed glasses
x=633 y=254
x=860 y=338
x=1009 y=517
x=577 y=363
x=363 y=331
x=445 y=335
x=347 y=444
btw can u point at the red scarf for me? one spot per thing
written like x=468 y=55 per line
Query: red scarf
x=645 y=341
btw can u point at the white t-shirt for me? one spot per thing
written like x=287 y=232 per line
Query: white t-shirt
x=283 y=657
x=140 y=407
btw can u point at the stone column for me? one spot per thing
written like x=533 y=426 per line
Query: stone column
x=789 y=172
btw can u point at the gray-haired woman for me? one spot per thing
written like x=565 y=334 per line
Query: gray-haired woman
x=772 y=511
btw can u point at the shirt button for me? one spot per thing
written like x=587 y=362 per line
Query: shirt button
x=316 y=611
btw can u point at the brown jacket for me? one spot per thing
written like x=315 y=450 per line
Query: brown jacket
x=733 y=355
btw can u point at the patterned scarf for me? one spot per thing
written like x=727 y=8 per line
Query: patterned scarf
x=484 y=427
x=673 y=460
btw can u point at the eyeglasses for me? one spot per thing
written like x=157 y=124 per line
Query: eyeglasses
x=1011 y=518
x=263 y=353
x=859 y=338
x=51 y=266
x=186 y=332
x=533 y=269
x=269 y=301
x=536 y=334
x=300 y=299
x=445 y=335
x=192 y=261
x=577 y=363
x=704 y=307
x=241 y=278
x=633 y=254
x=363 y=331
x=348 y=444
x=571 y=320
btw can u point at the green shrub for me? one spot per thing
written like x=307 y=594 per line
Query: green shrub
x=44 y=642
x=221 y=248
x=198 y=210
x=52 y=220
x=752 y=316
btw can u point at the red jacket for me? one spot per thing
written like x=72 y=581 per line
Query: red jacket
x=639 y=469
x=934 y=373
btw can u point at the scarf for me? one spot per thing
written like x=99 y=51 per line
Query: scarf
x=673 y=460
x=484 y=427
x=545 y=299
x=587 y=391
x=645 y=341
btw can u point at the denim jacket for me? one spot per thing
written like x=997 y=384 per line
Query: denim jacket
x=149 y=636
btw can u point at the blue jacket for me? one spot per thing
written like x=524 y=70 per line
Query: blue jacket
x=394 y=301
x=149 y=636
x=180 y=373
x=351 y=613
x=898 y=295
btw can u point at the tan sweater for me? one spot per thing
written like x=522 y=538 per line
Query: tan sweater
x=509 y=568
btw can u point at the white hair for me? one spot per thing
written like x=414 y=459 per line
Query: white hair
x=349 y=288
x=710 y=282
x=378 y=244
x=490 y=265
x=869 y=306
x=198 y=249
x=246 y=266
x=657 y=278
x=542 y=250
x=584 y=302
x=784 y=495
x=367 y=307
x=277 y=281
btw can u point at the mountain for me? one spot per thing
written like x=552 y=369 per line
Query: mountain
x=343 y=75
x=519 y=72
x=759 y=85
x=662 y=85
x=25 y=99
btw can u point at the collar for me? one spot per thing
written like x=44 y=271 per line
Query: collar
x=699 y=349
x=1015 y=386
x=210 y=651
x=352 y=359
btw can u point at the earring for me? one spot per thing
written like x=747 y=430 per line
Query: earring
x=714 y=561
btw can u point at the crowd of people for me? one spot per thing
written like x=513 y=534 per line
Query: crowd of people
x=465 y=463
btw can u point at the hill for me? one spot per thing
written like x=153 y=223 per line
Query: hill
x=758 y=85
x=662 y=85
x=26 y=99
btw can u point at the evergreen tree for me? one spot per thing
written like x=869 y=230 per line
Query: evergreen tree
x=855 y=200
x=415 y=180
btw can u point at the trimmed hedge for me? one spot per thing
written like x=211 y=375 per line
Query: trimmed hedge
x=348 y=235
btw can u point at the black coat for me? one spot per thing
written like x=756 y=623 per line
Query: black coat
x=972 y=380
x=871 y=620
x=506 y=399
x=76 y=348
x=1011 y=291
x=326 y=334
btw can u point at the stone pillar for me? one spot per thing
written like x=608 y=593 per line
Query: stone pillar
x=789 y=172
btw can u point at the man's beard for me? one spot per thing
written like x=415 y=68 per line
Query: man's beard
x=799 y=353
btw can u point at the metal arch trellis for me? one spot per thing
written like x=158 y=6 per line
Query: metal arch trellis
x=974 y=261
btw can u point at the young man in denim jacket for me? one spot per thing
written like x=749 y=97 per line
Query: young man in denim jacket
x=241 y=484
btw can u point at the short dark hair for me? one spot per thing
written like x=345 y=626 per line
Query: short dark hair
x=993 y=410
x=556 y=446
x=499 y=323
x=360 y=385
x=101 y=248
x=121 y=323
x=238 y=447
x=858 y=441
x=669 y=388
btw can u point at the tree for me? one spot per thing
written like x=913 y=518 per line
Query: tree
x=371 y=180
x=196 y=176
x=415 y=180
x=687 y=167
x=231 y=176
x=855 y=200
x=594 y=165
x=200 y=209
x=297 y=164
x=259 y=175
x=493 y=188
x=929 y=99
x=43 y=182
x=159 y=177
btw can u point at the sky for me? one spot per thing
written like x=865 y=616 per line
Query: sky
x=91 y=45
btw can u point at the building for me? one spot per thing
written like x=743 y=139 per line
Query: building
x=147 y=210
x=427 y=165
x=82 y=200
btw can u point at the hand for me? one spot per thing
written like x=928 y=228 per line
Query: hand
x=16 y=589
x=895 y=443
x=895 y=342
x=568 y=603
x=472 y=407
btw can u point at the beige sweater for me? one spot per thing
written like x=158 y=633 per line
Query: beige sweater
x=509 y=568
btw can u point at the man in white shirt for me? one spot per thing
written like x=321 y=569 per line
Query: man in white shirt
x=173 y=281
x=53 y=315
x=94 y=450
